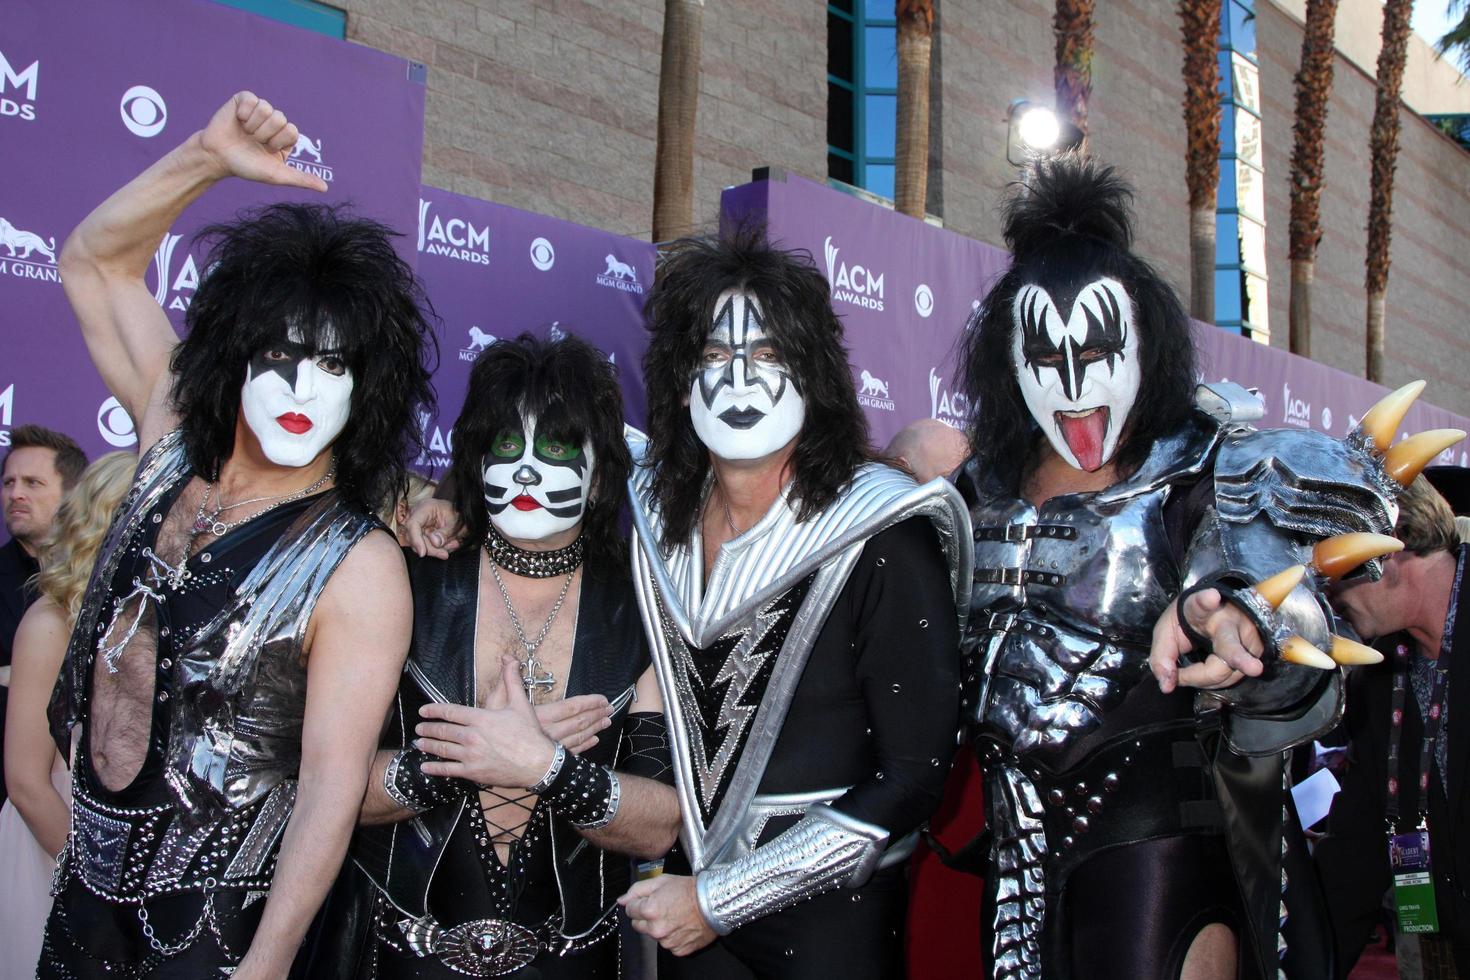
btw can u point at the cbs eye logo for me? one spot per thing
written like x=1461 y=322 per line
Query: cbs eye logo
x=143 y=111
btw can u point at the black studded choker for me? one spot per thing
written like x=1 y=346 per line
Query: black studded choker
x=533 y=564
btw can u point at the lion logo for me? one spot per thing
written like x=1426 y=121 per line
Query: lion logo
x=875 y=387
x=305 y=145
x=619 y=270
x=16 y=239
x=479 y=339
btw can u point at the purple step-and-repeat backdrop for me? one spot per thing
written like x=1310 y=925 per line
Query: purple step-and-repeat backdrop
x=93 y=91
x=905 y=289
x=494 y=272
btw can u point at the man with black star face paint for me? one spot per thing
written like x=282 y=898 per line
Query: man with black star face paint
x=248 y=618
x=526 y=756
x=802 y=603
x=1125 y=519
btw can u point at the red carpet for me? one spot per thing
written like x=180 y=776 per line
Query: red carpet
x=1376 y=963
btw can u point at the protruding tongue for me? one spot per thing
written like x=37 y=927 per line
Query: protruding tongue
x=1084 y=436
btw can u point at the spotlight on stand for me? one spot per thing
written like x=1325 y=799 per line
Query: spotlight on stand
x=1035 y=131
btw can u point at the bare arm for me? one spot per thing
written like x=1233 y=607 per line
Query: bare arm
x=30 y=755
x=103 y=261
x=359 y=639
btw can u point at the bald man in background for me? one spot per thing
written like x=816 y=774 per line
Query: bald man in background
x=929 y=448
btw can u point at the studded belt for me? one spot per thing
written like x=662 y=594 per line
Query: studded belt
x=131 y=854
x=495 y=947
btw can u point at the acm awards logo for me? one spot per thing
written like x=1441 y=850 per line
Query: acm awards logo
x=438 y=444
x=7 y=410
x=873 y=392
x=620 y=275
x=306 y=156
x=853 y=284
x=27 y=255
x=18 y=90
x=948 y=406
x=454 y=238
x=1295 y=411
x=174 y=288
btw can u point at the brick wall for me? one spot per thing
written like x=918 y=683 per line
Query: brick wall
x=551 y=105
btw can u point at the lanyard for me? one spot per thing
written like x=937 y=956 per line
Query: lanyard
x=1434 y=715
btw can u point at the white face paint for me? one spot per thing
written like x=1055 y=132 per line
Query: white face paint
x=744 y=401
x=295 y=401
x=1079 y=375
x=536 y=486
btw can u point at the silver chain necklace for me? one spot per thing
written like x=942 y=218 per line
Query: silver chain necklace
x=220 y=528
x=535 y=678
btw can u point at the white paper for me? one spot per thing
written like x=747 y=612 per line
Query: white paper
x=1313 y=796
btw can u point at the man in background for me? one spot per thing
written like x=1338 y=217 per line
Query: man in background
x=39 y=468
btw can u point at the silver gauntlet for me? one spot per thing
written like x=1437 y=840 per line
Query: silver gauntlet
x=827 y=849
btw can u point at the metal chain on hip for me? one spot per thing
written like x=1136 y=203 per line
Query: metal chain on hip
x=535 y=678
x=183 y=944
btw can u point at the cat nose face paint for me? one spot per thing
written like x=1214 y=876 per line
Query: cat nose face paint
x=295 y=400
x=744 y=401
x=536 y=485
x=1076 y=359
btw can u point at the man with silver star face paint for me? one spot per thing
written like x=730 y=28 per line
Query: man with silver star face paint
x=248 y=618
x=1124 y=519
x=744 y=403
x=529 y=723
x=800 y=601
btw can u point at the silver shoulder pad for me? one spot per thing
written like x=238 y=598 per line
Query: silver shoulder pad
x=826 y=849
x=1228 y=403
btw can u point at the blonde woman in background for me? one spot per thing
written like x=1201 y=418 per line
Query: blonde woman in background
x=35 y=820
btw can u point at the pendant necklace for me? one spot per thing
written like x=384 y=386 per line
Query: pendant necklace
x=535 y=678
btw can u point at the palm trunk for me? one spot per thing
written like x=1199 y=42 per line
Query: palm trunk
x=1072 y=25
x=1313 y=88
x=915 y=40
x=1299 y=311
x=1200 y=26
x=1202 y=263
x=1383 y=149
x=678 y=104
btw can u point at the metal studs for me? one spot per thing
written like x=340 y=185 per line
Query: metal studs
x=1111 y=782
x=895 y=689
x=206 y=558
x=1080 y=789
x=157 y=518
x=1095 y=804
x=880 y=563
x=1056 y=797
x=923 y=624
x=1080 y=825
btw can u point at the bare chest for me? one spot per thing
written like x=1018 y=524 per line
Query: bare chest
x=533 y=621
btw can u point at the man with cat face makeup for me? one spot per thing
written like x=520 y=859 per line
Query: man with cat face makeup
x=1136 y=830
x=247 y=620
x=802 y=603
x=526 y=755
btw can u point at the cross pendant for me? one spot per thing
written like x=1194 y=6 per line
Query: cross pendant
x=534 y=677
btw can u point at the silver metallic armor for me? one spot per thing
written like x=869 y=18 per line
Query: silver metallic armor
x=1064 y=603
x=234 y=742
x=770 y=591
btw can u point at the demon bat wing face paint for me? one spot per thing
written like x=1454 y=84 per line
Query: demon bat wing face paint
x=744 y=401
x=296 y=400
x=536 y=485
x=1078 y=367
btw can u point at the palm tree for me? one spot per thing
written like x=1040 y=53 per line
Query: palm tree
x=1457 y=41
x=1073 y=28
x=1383 y=150
x=1313 y=86
x=1200 y=24
x=678 y=104
x=915 y=38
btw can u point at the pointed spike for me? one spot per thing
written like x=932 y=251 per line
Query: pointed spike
x=1351 y=652
x=1276 y=588
x=1382 y=420
x=1334 y=557
x=1298 y=651
x=1404 y=461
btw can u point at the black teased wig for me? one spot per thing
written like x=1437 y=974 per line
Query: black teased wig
x=572 y=390
x=327 y=274
x=798 y=315
x=1072 y=223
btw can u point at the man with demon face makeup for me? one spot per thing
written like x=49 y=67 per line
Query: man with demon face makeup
x=527 y=682
x=1136 y=830
x=803 y=617
x=247 y=620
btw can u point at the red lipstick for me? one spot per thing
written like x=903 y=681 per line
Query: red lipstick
x=525 y=502
x=293 y=423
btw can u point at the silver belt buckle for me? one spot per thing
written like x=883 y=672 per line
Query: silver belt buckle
x=480 y=948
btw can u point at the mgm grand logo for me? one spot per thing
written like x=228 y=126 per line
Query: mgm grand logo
x=306 y=156
x=27 y=254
